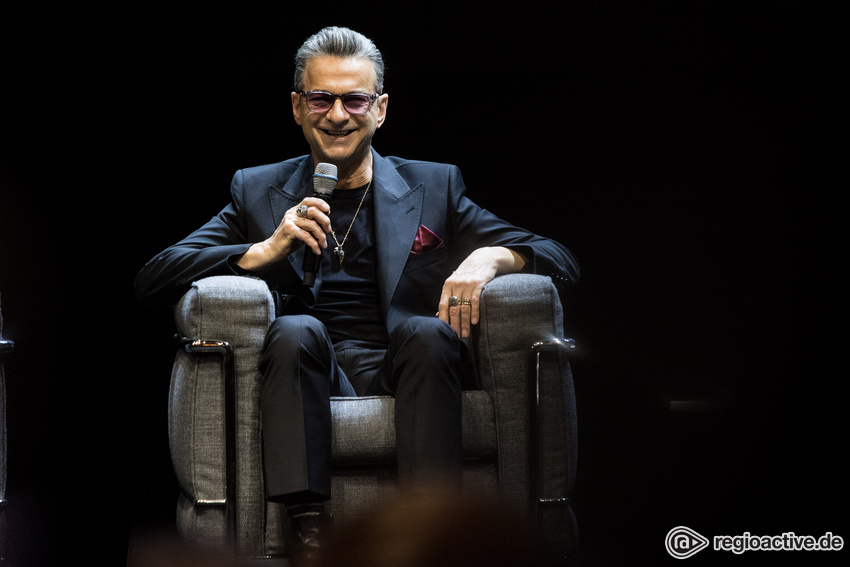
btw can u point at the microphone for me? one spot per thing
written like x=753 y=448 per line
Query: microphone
x=324 y=181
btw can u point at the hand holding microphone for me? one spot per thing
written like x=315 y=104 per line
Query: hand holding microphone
x=308 y=228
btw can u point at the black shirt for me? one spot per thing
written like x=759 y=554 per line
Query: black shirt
x=349 y=304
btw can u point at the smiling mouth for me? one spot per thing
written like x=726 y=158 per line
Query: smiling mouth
x=337 y=133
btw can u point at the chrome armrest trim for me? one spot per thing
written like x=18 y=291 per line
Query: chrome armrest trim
x=561 y=346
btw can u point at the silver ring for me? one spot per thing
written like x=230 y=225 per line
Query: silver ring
x=301 y=211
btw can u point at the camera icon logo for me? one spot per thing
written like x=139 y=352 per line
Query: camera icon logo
x=683 y=542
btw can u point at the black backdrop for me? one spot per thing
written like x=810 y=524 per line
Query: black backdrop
x=682 y=152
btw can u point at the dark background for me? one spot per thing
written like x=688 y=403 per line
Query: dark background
x=685 y=152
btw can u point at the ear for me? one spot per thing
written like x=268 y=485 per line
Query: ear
x=296 y=107
x=382 y=103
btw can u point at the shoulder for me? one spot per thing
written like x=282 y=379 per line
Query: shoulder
x=419 y=170
x=417 y=165
x=274 y=174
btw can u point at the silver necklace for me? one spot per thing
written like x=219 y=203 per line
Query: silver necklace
x=338 y=251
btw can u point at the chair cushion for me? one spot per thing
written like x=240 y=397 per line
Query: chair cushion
x=364 y=431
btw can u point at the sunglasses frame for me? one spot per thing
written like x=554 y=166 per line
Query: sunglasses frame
x=372 y=97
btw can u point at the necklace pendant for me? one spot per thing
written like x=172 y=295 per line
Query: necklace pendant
x=340 y=254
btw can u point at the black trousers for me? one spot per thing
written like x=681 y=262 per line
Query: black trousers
x=425 y=368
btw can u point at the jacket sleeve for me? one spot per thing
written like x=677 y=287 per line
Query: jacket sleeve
x=211 y=250
x=476 y=227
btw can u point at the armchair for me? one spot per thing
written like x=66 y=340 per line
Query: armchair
x=519 y=428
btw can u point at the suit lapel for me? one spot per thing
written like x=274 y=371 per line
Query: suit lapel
x=398 y=210
x=282 y=198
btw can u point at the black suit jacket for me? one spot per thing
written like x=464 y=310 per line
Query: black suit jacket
x=407 y=195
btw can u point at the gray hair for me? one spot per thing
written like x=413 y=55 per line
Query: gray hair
x=338 y=42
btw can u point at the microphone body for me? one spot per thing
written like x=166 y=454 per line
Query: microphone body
x=324 y=181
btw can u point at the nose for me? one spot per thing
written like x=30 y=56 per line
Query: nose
x=337 y=113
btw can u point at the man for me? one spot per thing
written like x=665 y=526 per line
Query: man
x=404 y=257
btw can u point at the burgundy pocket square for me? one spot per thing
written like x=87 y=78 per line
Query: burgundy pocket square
x=425 y=240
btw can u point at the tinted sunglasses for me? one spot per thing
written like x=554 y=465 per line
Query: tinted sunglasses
x=322 y=101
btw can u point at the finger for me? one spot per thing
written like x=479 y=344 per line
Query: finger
x=309 y=240
x=305 y=230
x=317 y=210
x=456 y=312
x=314 y=218
x=317 y=203
x=465 y=317
x=323 y=220
x=449 y=313
x=314 y=235
x=455 y=318
x=443 y=306
x=474 y=315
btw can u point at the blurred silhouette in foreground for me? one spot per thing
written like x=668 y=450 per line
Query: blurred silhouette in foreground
x=433 y=528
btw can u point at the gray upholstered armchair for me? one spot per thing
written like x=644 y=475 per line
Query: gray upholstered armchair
x=519 y=429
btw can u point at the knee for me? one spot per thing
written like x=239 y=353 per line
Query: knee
x=297 y=350
x=296 y=330
x=426 y=335
x=426 y=360
x=289 y=336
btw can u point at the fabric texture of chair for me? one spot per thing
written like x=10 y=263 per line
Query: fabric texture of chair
x=516 y=311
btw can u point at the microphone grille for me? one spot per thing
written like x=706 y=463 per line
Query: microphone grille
x=324 y=178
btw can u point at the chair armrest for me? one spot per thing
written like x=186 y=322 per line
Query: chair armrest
x=517 y=311
x=232 y=314
x=235 y=309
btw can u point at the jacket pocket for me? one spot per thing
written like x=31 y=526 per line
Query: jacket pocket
x=424 y=260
